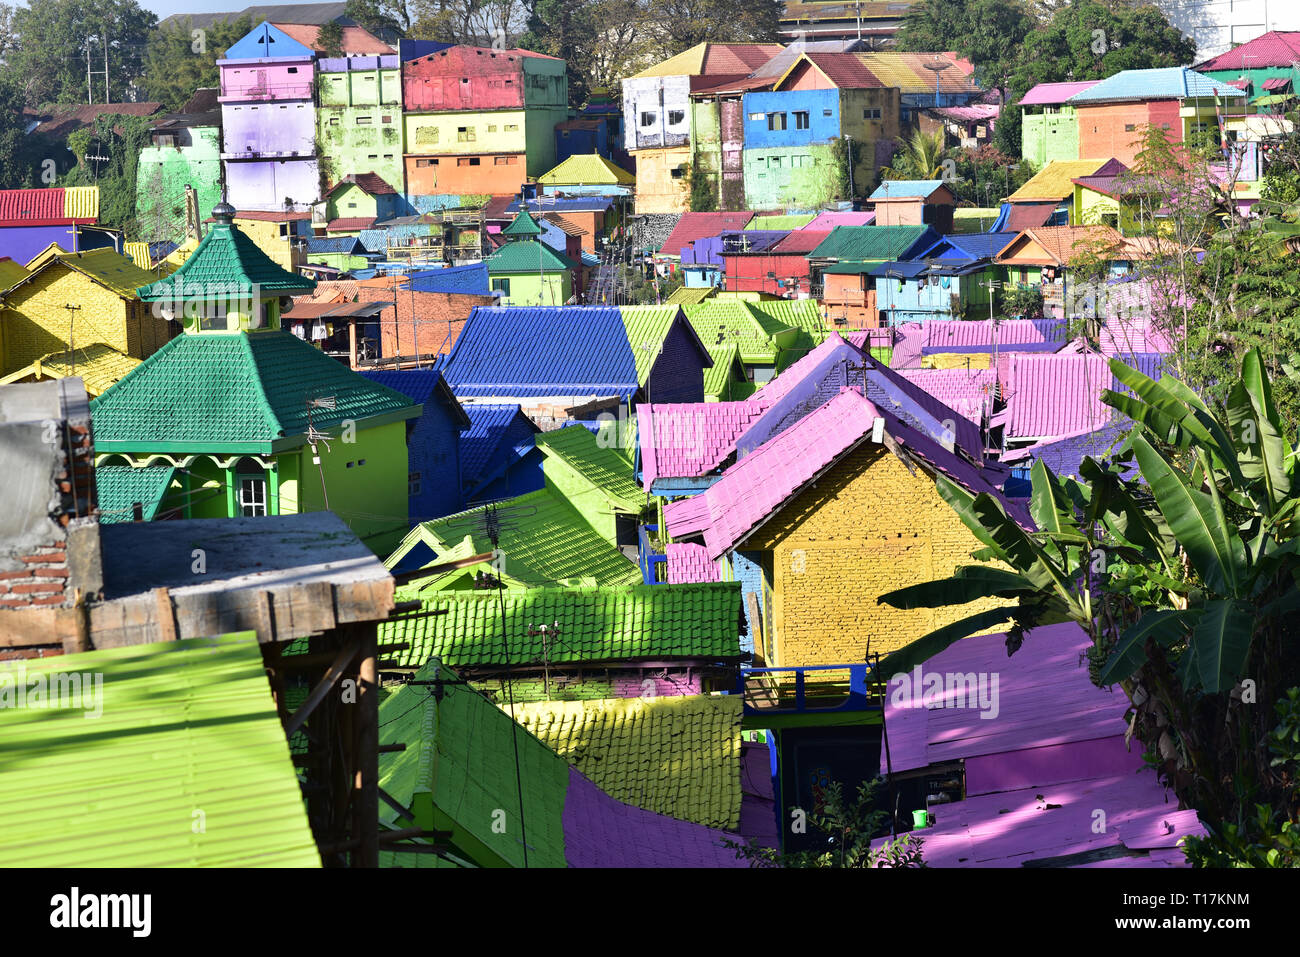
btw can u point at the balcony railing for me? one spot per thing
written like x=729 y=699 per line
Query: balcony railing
x=811 y=689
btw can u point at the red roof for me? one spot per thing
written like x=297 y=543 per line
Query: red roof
x=63 y=121
x=845 y=70
x=740 y=59
x=349 y=223
x=497 y=207
x=801 y=241
x=372 y=183
x=1277 y=48
x=32 y=207
x=356 y=40
x=268 y=215
x=693 y=226
x=1028 y=215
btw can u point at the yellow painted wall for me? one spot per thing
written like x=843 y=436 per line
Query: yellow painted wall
x=656 y=189
x=274 y=239
x=868 y=527
x=498 y=131
x=34 y=320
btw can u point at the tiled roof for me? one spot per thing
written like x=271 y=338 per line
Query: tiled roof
x=488 y=426
x=1064 y=454
x=11 y=272
x=522 y=225
x=587 y=169
x=543 y=350
x=528 y=255
x=1021 y=216
x=623 y=623
x=348 y=224
x=544 y=539
x=804 y=314
x=972 y=245
x=1280 y=48
x=824 y=222
x=371 y=183
x=875 y=243
x=233 y=393
x=1162 y=83
x=963 y=335
x=790 y=377
x=319 y=246
x=356 y=41
x=690 y=439
x=688 y=562
x=845 y=70
x=181 y=725
x=1063 y=243
x=600 y=465
x=801 y=241
x=1054 y=94
x=647 y=329
x=906 y=189
x=968 y=392
x=718 y=377
x=1055 y=181
x=459 y=768
x=421 y=386
x=64 y=120
x=97 y=365
x=31 y=206
x=687 y=296
x=908 y=72
x=226 y=262
x=706 y=59
x=693 y=226
x=471 y=279
x=757 y=336
x=678 y=756
x=1053 y=395
x=120 y=487
x=107 y=267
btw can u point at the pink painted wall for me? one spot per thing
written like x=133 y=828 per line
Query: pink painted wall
x=253 y=80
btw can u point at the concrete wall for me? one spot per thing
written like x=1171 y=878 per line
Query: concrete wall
x=269 y=129
x=469 y=78
x=657 y=189
x=161 y=178
x=362 y=139
x=654 y=98
x=534 y=289
x=793 y=176
x=434 y=452
x=268 y=82
x=360 y=81
x=821 y=107
x=1104 y=129
x=1047 y=137
x=266 y=184
x=466 y=175
x=275 y=239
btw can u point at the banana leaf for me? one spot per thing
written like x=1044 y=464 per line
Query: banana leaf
x=1222 y=641
x=923 y=649
x=1166 y=626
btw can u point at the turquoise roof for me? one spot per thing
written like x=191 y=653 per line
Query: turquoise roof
x=906 y=188
x=1163 y=83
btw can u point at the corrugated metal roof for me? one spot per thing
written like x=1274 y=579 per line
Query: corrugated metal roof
x=471 y=279
x=828 y=221
x=801 y=241
x=737 y=59
x=908 y=72
x=22 y=206
x=182 y=727
x=906 y=189
x=780 y=222
x=1063 y=243
x=1054 y=94
x=528 y=255
x=875 y=243
x=648 y=328
x=81 y=202
x=1277 y=48
x=1162 y=83
x=693 y=226
x=1052 y=395
x=587 y=169
x=968 y=392
x=691 y=439
x=543 y=350
x=97 y=365
x=1055 y=181
x=845 y=70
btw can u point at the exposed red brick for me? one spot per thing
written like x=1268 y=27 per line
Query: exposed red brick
x=36 y=588
x=25 y=573
x=51 y=558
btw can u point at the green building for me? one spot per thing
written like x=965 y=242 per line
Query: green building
x=526 y=271
x=1049 y=127
x=236 y=417
x=359 y=119
x=184 y=150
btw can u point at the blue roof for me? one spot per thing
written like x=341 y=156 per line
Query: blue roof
x=478 y=443
x=333 y=244
x=1164 y=83
x=541 y=351
x=969 y=246
x=267 y=42
x=471 y=279
x=906 y=189
x=419 y=385
x=1065 y=455
x=907 y=270
x=571 y=204
x=1150 y=364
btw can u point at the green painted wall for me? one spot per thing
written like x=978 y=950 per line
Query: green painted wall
x=813 y=182
x=342 y=261
x=355 y=139
x=539 y=135
x=360 y=87
x=1047 y=137
x=706 y=141
x=536 y=289
x=162 y=176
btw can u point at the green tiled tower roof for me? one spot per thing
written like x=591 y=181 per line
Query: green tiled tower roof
x=641 y=622
x=528 y=255
x=225 y=263
x=245 y=393
x=523 y=225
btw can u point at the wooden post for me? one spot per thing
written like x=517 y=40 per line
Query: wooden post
x=352 y=344
x=366 y=788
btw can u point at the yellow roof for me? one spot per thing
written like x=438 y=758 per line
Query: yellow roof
x=10 y=272
x=587 y=169
x=110 y=269
x=1053 y=181
x=177 y=256
x=81 y=202
x=139 y=253
x=687 y=63
x=98 y=365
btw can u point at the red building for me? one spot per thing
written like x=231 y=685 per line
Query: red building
x=780 y=268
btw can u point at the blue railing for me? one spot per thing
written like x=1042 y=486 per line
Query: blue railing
x=654 y=565
x=765 y=691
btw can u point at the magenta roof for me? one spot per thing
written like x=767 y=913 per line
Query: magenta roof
x=779 y=387
x=691 y=438
x=968 y=114
x=968 y=392
x=909 y=340
x=688 y=562
x=1053 y=94
x=831 y=220
x=757 y=485
x=1276 y=48
x=1056 y=394
x=693 y=226
x=1056 y=739
x=978 y=333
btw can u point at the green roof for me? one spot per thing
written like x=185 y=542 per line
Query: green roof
x=687 y=295
x=624 y=623
x=226 y=263
x=758 y=337
x=234 y=393
x=457 y=775
x=802 y=314
x=678 y=756
x=528 y=255
x=790 y=221
x=720 y=377
x=522 y=225
x=119 y=487
x=184 y=727
x=587 y=169
x=604 y=468
x=544 y=541
x=863 y=243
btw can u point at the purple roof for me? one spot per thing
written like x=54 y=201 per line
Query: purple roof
x=966 y=391
x=1064 y=454
x=1054 y=94
x=825 y=221
x=688 y=439
x=1055 y=739
x=1056 y=395
x=957 y=335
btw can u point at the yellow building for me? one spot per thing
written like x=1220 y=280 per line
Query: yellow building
x=97 y=365
x=280 y=235
x=72 y=300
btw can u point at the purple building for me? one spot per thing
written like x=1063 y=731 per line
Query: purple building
x=268 y=117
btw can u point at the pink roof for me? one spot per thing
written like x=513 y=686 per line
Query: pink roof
x=693 y=226
x=1053 y=94
x=1276 y=48
x=1056 y=739
x=31 y=206
x=778 y=388
x=800 y=241
x=831 y=220
x=684 y=439
x=909 y=339
x=688 y=562
x=970 y=333
x=968 y=114
x=1056 y=394
x=968 y=392
x=757 y=485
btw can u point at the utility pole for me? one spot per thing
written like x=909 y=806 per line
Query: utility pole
x=107 y=95
x=89 y=95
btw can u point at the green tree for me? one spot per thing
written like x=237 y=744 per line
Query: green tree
x=330 y=38
x=120 y=138
x=704 y=194
x=178 y=61
x=19 y=154
x=54 y=37
x=380 y=17
x=989 y=33
x=920 y=156
x=985 y=176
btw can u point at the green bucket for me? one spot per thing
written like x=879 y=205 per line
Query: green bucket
x=920 y=819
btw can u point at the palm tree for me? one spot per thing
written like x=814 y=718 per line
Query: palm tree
x=919 y=157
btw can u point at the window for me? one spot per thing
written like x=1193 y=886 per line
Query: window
x=413 y=484
x=334 y=121
x=251 y=490
x=504 y=161
x=678 y=172
x=1129 y=127
x=799 y=161
x=293 y=69
x=756 y=117
x=386 y=119
x=647 y=119
x=464 y=134
x=774 y=162
x=468 y=161
x=503 y=285
x=422 y=163
x=676 y=116
x=826 y=112
x=365 y=120
x=492 y=129
x=512 y=127
x=801 y=119
x=873 y=114
x=776 y=121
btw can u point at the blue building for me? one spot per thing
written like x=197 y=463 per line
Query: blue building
x=471 y=279
x=949 y=280
x=499 y=457
x=433 y=441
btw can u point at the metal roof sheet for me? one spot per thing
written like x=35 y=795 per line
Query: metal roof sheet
x=1161 y=83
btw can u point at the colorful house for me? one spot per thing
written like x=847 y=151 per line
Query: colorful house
x=1175 y=99
x=184 y=150
x=337 y=254
x=794 y=134
x=780 y=269
x=97 y=365
x=281 y=234
x=268 y=118
x=32 y=219
x=843 y=261
x=763 y=344
x=238 y=417
x=499 y=457
x=1047 y=197
x=480 y=121
x=1049 y=128
x=1041 y=258
x=587 y=173
x=950 y=280
x=657 y=116
x=366 y=196
x=1108 y=197
x=922 y=202
x=1263 y=66
x=70 y=301
x=528 y=272
x=359 y=119
x=1049 y=396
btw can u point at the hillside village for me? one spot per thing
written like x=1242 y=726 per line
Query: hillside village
x=477 y=475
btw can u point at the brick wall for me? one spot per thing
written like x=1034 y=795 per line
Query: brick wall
x=427 y=322
x=1104 y=133
x=866 y=528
